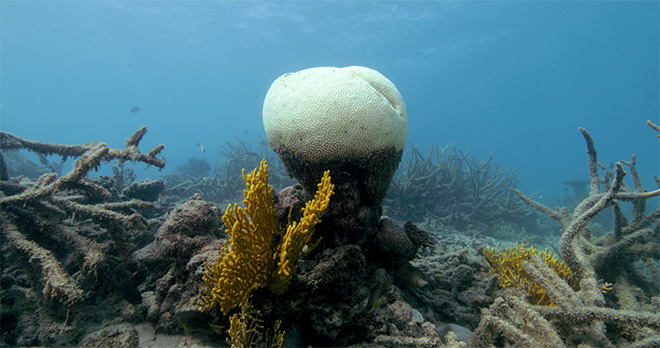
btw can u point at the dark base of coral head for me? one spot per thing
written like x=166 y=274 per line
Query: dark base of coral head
x=360 y=187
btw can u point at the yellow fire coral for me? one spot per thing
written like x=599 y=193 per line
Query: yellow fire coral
x=509 y=265
x=251 y=259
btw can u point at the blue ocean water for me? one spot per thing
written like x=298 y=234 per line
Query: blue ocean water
x=514 y=78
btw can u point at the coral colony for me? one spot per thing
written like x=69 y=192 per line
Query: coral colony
x=327 y=259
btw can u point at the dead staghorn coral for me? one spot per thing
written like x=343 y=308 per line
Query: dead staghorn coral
x=259 y=253
x=600 y=313
x=27 y=212
x=654 y=126
x=453 y=188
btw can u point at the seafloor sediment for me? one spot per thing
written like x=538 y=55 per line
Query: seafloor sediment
x=114 y=262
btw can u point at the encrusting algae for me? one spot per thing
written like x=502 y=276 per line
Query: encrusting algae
x=509 y=265
x=252 y=259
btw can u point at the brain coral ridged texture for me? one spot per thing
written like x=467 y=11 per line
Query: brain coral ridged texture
x=327 y=113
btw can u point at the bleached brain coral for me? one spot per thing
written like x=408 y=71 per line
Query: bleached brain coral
x=327 y=113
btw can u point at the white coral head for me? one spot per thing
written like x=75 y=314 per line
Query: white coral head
x=327 y=113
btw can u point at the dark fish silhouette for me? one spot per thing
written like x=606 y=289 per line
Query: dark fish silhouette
x=135 y=109
x=375 y=299
x=194 y=321
x=410 y=277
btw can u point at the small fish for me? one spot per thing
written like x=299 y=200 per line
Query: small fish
x=201 y=147
x=194 y=321
x=375 y=299
x=135 y=109
x=410 y=277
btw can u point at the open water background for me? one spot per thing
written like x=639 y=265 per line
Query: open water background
x=515 y=78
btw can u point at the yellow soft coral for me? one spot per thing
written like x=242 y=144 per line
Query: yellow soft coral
x=298 y=236
x=250 y=259
x=509 y=265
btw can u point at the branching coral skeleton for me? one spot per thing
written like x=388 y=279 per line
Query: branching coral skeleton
x=584 y=315
x=22 y=208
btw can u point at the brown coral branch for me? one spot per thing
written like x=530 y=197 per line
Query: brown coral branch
x=644 y=222
x=57 y=285
x=514 y=318
x=559 y=214
x=11 y=142
x=589 y=314
x=594 y=186
x=91 y=155
x=557 y=288
x=632 y=166
x=602 y=256
x=631 y=196
x=654 y=126
x=129 y=153
x=103 y=213
x=571 y=253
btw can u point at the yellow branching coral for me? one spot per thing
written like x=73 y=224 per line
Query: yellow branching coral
x=509 y=265
x=298 y=236
x=246 y=328
x=250 y=259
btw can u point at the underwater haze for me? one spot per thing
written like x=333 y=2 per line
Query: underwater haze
x=514 y=78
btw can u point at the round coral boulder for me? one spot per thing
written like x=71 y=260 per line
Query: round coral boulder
x=325 y=114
